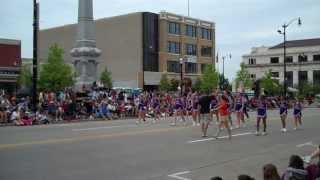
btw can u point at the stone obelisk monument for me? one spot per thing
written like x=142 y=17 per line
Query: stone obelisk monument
x=85 y=53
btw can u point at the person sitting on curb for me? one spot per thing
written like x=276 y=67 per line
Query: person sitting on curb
x=15 y=117
x=295 y=170
x=270 y=172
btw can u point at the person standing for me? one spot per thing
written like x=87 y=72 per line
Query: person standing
x=297 y=113
x=262 y=115
x=283 y=108
x=195 y=109
x=224 y=115
x=213 y=108
x=142 y=108
x=179 y=111
x=204 y=104
x=239 y=106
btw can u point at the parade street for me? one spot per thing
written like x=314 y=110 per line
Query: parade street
x=122 y=150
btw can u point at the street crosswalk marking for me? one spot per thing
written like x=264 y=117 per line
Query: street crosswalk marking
x=178 y=175
x=222 y=137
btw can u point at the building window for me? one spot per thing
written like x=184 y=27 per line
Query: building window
x=191 y=49
x=173 y=47
x=302 y=77
x=274 y=60
x=191 y=31
x=252 y=76
x=316 y=57
x=289 y=59
x=289 y=78
x=316 y=77
x=302 y=58
x=173 y=28
x=191 y=68
x=275 y=74
x=206 y=33
x=173 y=66
x=206 y=51
x=252 y=61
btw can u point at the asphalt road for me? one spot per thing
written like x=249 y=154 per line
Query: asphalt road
x=121 y=150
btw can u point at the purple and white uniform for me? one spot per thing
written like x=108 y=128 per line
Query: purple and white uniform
x=297 y=109
x=213 y=103
x=195 y=104
x=262 y=109
x=178 y=104
x=239 y=104
x=156 y=105
x=142 y=106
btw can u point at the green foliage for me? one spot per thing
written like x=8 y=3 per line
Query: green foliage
x=316 y=88
x=106 y=78
x=243 y=76
x=209 y=79
x=174 y=84
x=308 y=88
x=164 y=82
x=55 y=75
x=25 y=78
x=197 y=85
x=270 y=85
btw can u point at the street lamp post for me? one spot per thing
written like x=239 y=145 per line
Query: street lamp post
x=223 y=79
x=283 y=32
x=35 y=53
x=222 y=84
x=181 y=76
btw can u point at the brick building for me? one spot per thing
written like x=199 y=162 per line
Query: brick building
x=10 y=62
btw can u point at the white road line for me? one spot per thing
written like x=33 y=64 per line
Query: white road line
x=306 y=144
x=178 y=175
x=222 y=137
x=104 y=127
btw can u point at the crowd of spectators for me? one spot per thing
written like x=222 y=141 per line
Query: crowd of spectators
x=67 y=106
x=299 y=168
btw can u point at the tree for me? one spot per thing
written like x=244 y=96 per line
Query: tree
x=174 y=84
x=306 y=88
x=270 y=85
x=244 y=77
x=197 y=85
x=25 y=78
x=106 y=79
x=55 y=75
x=209 y=79
x=164 y=82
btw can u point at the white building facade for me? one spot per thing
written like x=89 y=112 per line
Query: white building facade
x=302 y=60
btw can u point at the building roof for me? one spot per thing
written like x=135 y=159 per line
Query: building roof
x=299 y=43
x=10 y=41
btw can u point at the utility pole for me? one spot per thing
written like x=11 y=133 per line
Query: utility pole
x=35 y=54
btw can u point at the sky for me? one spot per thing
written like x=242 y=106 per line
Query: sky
x=240 y=24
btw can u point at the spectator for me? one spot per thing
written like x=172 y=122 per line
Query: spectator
x=216 y=178
x=15 y=117
x=270 y=172
x=296 y=170
x=42 y=117
x=27 y=121
x=245 y=177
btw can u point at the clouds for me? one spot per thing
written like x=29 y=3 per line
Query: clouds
x=240 y=24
